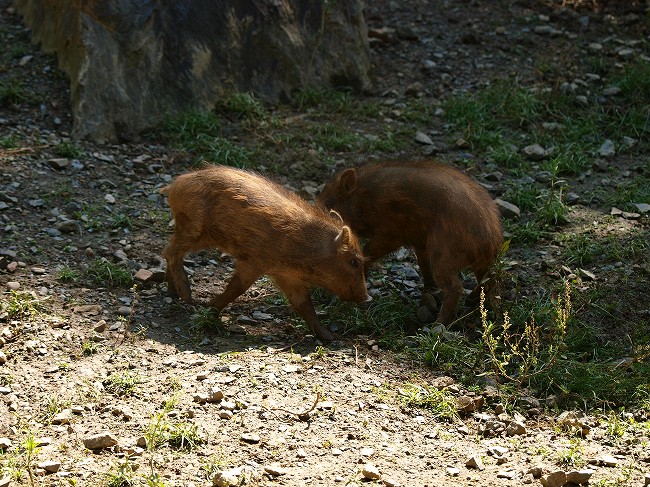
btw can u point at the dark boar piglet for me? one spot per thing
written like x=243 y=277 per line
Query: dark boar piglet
x=268 y=230
x=446 y=217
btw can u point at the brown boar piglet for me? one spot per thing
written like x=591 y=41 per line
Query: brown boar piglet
x=445 y=216
x=268 y=230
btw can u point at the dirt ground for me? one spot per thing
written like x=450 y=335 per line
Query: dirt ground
x=293 y=412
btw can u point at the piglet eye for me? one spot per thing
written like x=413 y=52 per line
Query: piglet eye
x=354 y=262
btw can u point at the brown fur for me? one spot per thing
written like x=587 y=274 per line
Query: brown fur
x=446 y=217
x=269 y=231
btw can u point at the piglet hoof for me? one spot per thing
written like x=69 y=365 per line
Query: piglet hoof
x=324 y=335
x=425 y=315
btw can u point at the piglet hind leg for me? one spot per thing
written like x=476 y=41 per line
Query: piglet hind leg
x=177 y=283
x=300 y=299
x=243 y=278
x=452 y=289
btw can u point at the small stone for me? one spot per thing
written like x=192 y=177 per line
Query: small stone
x=612 y=91
x=50 y=466
x=67 y=226
x=13 y=285
x=215 y=395
x=506 y=474
x=515 y=428
x=453 y=471
x=579 y=476
x=5 y=444
x=367 y=452
x=124 y=310
x=110 y=199
x=99 y=441
x=554 y=479
x=250 y=438
x=607 y=149
x=225 y=414
x=275 y=471
x=369 y=471
x=468 y=404
x=200 y=397
x=58 y=164
x=642 y=207
x=608 y=461
x=3 y=360
x=508 y=209
x=423 y=138
x=585 y=274
x=475 y=462
x=143 y=275
x=39 y=271
x=226 y=478
x=646 y=481
x=535 y=152
x=5 y=482
x=63 y=417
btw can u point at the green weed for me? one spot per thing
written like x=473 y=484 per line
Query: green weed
x=442 y=404
x=12 y=92
x=67 y=274
x=22 y=304
x=517 y=356
x=205 y=320
x=102 y=272
x=68 y=149
x=243 y=106
x=9 y=142
x=121 y=383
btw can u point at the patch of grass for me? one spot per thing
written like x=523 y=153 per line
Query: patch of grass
x=102 y=272
x=13 y=92
x=183 y=435
x=67 y=274
x=205 y=320
x=573 y=456
x=121 y=383
x=183 y=130
x=22 y=304
x=122 y=475
x=442 y=404
x=121 y=220
x=88 y=348
x=526 y=233
x=386 y=318
x=243 y=106
x=68 y=149
x=9 y=142
x=333 y=137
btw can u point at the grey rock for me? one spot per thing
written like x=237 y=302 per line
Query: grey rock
x=99 y=441
x=475 y=462
x=642 y=207
x=67 y=226
x=58 y=164
x=369 y=471
x=515 y=428
x=508 y=210
x=423 y=138
x=5 y=444
x=275 y=471
x=554 y=479
x=226 y=478
x=269 y=48
x=579 y=476
x=607 y=149
x=50 y=466
x=534 y=152
x=250 y=438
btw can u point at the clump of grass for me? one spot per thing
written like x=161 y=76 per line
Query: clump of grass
x=88 y=348
x=439 y=402
x=122 y=475
x=518 y=356
x=9 y=142
x=68 y=149
x=12 y=92
x=67 y=274
x=22 y=304
x=102 y=272
x=243 y=106
x=205 y=320
x=121 y=383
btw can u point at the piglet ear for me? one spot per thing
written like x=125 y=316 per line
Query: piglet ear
x=343 y=238
x=349 y=180
x=336 y=215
